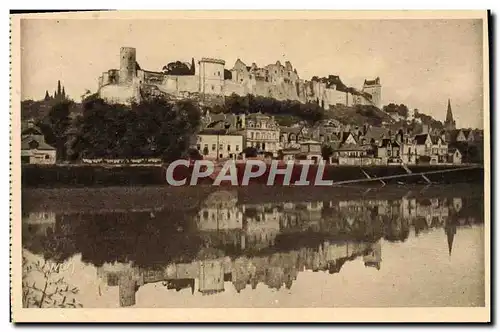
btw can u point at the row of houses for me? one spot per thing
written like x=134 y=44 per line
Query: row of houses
x=226 y=136
x=230 y=136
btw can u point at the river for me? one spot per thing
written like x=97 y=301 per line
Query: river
x=218 y=247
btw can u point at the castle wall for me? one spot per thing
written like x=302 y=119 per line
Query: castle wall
x=120 y=94
x=334 y=97
x=176 y=84
x=231 y=87
x=273 y=81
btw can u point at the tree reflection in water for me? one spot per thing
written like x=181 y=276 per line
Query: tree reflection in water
x=246 y=243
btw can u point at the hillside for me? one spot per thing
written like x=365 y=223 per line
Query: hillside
x=358 y=115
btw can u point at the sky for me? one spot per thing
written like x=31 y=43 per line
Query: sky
x=421 y=63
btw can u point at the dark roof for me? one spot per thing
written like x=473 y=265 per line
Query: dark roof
x=376 y=133
x=345 y=135
x=421 y=138
x=219 y=131
x=41 y=145
x=373 y=82
x=386 y=142
x=33 y=130
x=435 y=139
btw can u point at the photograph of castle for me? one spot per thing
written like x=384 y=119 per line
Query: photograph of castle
x=390 y=110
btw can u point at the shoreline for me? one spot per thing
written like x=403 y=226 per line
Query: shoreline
x=155 y=198
x=85 y=176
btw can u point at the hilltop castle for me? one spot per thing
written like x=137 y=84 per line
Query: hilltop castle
x=211 y=82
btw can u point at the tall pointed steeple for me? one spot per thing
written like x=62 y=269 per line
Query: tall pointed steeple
x=63 y=97
x=450 y=230
x=58 y=89
x=449 y=123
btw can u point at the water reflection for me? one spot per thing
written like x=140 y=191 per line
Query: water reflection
x=224 y=242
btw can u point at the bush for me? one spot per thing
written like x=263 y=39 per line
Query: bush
x=250 y=152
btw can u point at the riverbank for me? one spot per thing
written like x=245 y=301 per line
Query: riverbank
x=60 y=176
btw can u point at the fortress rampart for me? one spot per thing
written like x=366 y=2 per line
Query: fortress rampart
x=211 y=81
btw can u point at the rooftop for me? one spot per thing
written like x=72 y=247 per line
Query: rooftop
x=212 y=60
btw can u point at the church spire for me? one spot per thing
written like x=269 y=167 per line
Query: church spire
x=58 y=89
x=449 y=123
x=450 y=230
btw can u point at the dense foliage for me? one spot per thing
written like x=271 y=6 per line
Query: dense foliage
x=154 y=128
x=401 y=110
x=310 y=112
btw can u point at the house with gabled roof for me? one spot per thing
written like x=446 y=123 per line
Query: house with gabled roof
x=389 y=150
x=34 y=149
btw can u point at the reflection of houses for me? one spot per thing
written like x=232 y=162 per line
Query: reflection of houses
x=43 y=222
x=211 y=277
x=219 y=212
x=374 y=257
x=274 y=247
x=213 y=218
x=262 y=225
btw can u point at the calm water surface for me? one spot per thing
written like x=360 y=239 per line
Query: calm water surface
x=382 y=248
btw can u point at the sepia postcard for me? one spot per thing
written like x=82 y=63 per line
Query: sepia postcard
x=250 y=166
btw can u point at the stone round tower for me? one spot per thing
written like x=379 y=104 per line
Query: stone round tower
x=127 y=65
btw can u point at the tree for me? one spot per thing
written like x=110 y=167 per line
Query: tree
x=326 y=152
x=43 y=286
x=250 y=152
x=193 y=68
x=58 y=89
x=153 y=128
x=177 y=68
x=55 y=126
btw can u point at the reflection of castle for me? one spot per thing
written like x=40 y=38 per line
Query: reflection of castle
x=374 y=257
x=275 y=270
x=258 y=244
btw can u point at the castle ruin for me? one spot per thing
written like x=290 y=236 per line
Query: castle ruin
x=211 y=82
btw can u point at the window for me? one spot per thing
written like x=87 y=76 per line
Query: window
x=228 y=147
x=218 y=73
x=221 y=147
x=251 y=135
x=214 y=147
x=237 y=147
x=47 y=156
x=213 y=88
x=198 y=147
x=205 y=147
